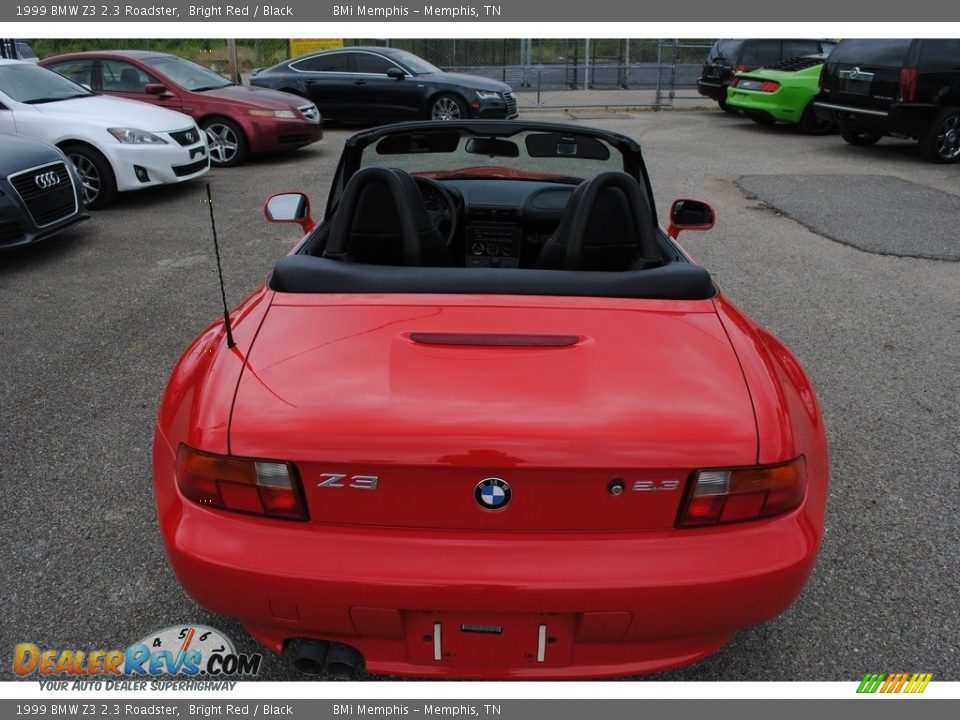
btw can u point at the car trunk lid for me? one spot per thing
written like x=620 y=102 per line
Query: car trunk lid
x=865 y=73
x=554 y=401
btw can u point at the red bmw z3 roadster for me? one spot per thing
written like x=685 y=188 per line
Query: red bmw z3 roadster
x=489 y=420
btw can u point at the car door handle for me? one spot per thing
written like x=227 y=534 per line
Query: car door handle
x=359 y=82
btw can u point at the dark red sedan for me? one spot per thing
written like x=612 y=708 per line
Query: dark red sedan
x=238 y=120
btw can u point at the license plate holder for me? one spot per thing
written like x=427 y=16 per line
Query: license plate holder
x=855 y=87
x=489 y=639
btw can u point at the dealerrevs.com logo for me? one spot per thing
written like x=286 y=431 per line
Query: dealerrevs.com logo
x=203 y=654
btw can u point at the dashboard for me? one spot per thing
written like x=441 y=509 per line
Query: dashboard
x=494 y=223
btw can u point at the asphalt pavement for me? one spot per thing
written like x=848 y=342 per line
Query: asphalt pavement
x=92 y=322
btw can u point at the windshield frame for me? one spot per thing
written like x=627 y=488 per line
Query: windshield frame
x=357 y=145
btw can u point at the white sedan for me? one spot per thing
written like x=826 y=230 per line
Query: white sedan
x=116 y=144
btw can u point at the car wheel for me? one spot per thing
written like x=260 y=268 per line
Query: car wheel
x=813 y=125
x=448 y=107
x=941 y=143
x=96 y=175
x=860 y=138
x=228 y=144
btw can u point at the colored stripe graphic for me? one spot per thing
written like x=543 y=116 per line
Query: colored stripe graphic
x=894 y=682
x=871 y=682
x=918 y=683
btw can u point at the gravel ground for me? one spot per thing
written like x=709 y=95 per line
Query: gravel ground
x=92 y=322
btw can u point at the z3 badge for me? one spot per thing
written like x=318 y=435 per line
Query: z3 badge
x=357 y=482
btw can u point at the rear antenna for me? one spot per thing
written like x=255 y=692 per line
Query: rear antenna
x=223 y=294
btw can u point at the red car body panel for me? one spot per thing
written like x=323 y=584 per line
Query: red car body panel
x=552 y=418
x=647 y=392
x=264 y=135
x=205 y=379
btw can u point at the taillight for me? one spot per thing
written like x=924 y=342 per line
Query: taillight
x=739 y=68
x=907 y=87
x=734 y=80
x=737 y=494
x=769 y=86
x=262 y=487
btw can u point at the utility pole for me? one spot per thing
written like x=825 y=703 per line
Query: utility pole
x=232 y=60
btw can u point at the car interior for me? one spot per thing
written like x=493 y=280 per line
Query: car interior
x=382 y=238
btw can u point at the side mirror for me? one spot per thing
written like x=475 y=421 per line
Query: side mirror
x=396 y=73
x=689 y=214
x=289 y=207
x=155 y=89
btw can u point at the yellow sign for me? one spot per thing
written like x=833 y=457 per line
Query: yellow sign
x=301 y=46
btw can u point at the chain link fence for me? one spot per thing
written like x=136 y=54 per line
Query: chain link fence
x=668 y=67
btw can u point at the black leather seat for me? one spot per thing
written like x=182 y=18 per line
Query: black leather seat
x=381 y=220
x=607 y=226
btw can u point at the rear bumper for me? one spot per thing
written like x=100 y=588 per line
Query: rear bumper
x=912 y=119
x=713 y=89
x=612 y=603
x=778 y=105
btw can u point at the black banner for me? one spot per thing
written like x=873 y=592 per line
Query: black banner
x=486 y=708
x=537 y=11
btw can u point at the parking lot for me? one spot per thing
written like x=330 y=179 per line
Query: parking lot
x=832 y=253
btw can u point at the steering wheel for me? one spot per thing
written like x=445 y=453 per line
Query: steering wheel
x=441 y=207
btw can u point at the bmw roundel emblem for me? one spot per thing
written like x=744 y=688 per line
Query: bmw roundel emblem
x=493 y=493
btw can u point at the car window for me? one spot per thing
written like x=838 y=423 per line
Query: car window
x=26 y=52
x=799 y=48
x=334 y=62
x=121 y=76
x=758 y=53
x=416 y=65
x=940 y=55
x=888 y=53
x=725 y=51
x=32 y=84
x=77 y=70
x=370 y=63
x=186 y=73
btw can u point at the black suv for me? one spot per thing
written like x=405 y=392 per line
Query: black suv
x=728 y=57
x=904 y=88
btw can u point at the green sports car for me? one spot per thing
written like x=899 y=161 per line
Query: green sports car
x=781 y=92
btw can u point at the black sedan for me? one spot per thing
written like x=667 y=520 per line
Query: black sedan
x=40 y=192
x=374 y=85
